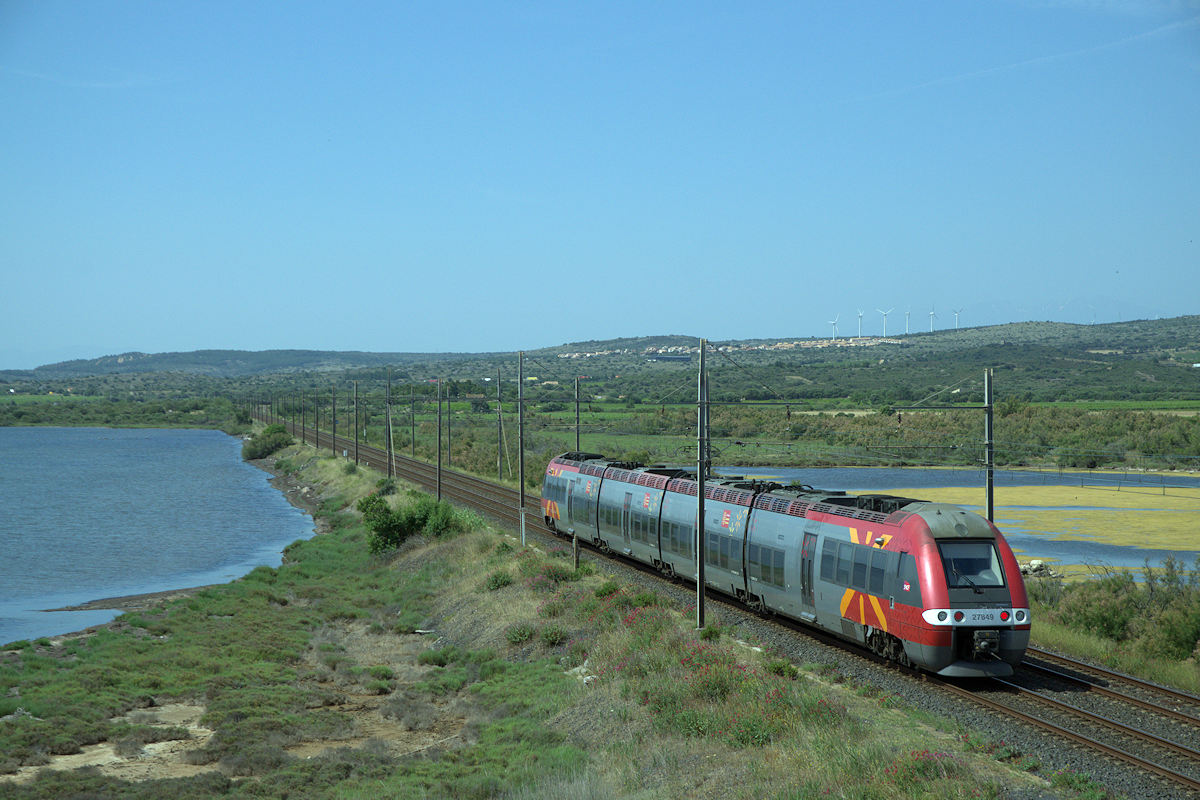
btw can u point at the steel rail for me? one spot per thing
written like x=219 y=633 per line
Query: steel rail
x=1079 y=738
x=1111 y=693
x=1100 y=719
x=1107 y=674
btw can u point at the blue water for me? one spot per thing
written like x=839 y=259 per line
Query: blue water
x=1027 y=542
x=88 y=513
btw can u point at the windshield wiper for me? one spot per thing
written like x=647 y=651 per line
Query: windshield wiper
x=962 y=577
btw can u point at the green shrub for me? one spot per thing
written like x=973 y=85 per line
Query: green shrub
x=519 y=633
x=498 y=580
x=646 y=598
x=607 y=589
x=263 y=444
x=390 y=528
x=783 y=669
x=1104 y=607
x=554 y=635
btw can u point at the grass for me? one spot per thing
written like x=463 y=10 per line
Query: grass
x=667 y=711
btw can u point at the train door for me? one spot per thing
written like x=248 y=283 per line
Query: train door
x=626 y=513
x=807 y=554
x=568 y=515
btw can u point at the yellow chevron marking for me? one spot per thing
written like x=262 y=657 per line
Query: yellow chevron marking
x=879 y=613
x=854 y=535
x=887 y=537
x=846 y=598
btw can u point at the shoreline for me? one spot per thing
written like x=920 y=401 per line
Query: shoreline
x=299 y=494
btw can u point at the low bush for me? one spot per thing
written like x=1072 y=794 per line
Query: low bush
x=269 y=440
x=519 y=633
x=1158 y=618
x=390 y=528
x=498 y=580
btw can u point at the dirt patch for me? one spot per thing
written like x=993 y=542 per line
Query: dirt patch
x=355 y=665
x=131 y=763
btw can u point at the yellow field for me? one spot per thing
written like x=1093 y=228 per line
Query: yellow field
x=1133 y=517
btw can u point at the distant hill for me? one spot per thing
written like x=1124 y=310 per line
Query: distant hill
x=223 y=363
x=1047 y=359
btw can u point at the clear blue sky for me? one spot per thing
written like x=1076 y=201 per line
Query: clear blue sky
x=428 y=176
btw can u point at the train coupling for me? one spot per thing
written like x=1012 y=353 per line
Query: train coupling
x=985 y=643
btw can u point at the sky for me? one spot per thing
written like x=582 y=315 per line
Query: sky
x=494 y=176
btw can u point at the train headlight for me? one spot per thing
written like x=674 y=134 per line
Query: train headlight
x=941 y=616
x=959 y=616
x=1020 y=615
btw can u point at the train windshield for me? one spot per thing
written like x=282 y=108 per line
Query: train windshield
x=971 y=565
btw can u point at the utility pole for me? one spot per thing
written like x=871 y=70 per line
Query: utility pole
x=499 y=430
x=701 y=468
x=577 y=447
x=439 y=440
x=356 y=423
x=521 y=427
x=387 y=419
x=412 y=419
x=333 y=439
x=989 y=443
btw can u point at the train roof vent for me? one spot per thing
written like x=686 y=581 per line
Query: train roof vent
x=769 y=502
x=651 y=480
x=833 y=505
x=798 y=508
x=683 y=486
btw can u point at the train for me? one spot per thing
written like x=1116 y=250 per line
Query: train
x=928 y=585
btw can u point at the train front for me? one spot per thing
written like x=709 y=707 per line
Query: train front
x=975 y=613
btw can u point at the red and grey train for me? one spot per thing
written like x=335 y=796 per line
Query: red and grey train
x=926 y=584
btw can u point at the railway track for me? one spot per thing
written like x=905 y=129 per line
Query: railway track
x=1100 y=717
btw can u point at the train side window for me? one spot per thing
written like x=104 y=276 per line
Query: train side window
x=862 y=557
x=828 y=559
x=755 y=569
x=844 y=559
x=777 y=558
x=880 y=560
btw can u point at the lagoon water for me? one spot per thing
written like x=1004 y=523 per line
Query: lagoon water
x=88 y=513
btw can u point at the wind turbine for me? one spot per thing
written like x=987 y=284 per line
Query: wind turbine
x=834 y=322
x=956 y=313
x=906 y=313
x=931 y=316
x=885 y=313
x=860 y=313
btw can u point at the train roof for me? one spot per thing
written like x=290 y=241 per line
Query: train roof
x=794 y=499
